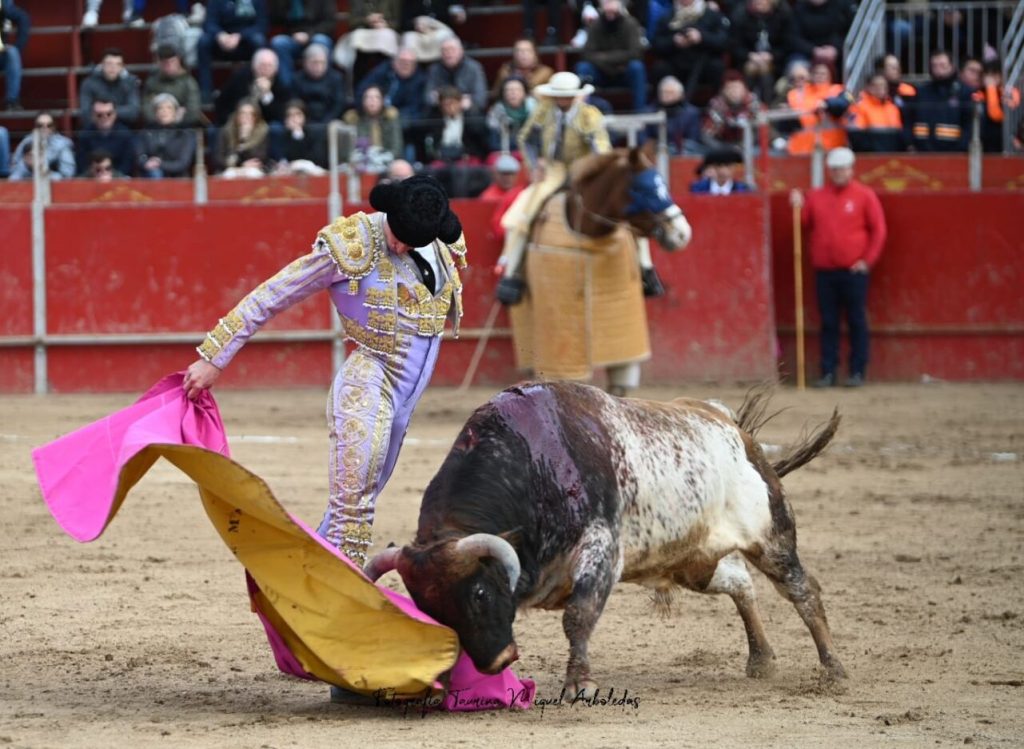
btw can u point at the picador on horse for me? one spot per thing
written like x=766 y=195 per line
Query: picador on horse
x=576 y=261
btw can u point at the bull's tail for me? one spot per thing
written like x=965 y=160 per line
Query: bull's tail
x=753 y=415
x=810 y=448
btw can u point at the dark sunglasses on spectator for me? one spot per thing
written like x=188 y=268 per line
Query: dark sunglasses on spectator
x=48 y=124
x=102 y=168
x=104 y=114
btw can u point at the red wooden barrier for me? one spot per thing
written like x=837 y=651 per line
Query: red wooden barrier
x=945 y=299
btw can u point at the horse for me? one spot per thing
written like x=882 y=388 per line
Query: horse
x=581 y=299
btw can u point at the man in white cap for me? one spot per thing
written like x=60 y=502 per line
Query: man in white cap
x=560 y=130
x=845 y=229
x=503 y=191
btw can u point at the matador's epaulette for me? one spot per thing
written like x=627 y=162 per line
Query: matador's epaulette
x=355 y=252
x=458 y=250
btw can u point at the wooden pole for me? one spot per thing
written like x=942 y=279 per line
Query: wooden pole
x=798 y=292
x=481 y=344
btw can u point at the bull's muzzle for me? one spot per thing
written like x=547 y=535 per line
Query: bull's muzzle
x=505 y=658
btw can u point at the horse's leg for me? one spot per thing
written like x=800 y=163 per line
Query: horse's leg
x=623 y=377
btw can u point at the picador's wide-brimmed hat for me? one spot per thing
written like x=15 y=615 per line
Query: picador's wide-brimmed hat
x=417 y=210
x=564 y=85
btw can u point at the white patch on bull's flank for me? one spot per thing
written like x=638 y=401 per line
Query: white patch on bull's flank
x=691 y=479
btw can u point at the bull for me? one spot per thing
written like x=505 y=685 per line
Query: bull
x=553 y=492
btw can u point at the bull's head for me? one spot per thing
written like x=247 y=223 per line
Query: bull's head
x=467 y=584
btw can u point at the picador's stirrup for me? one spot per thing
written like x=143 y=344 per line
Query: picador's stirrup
x=653 y=286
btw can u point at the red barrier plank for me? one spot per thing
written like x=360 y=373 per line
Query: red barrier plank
x=716 y=321
x=171 y=268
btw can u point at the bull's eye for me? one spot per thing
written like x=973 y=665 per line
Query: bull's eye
x=480 y=595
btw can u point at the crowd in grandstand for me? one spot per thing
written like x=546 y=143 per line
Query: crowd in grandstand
x=401 y=79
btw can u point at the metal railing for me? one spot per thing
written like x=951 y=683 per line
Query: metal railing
x=633 y=124
x=1013 y=73
x=963 y=29
x=864 y=43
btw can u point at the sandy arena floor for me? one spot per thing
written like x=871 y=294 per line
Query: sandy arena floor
x=913 y=522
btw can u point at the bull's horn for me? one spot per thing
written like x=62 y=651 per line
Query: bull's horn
x=486 y=544
x=384 y=562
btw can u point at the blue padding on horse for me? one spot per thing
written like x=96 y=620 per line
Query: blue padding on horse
x=648 y=194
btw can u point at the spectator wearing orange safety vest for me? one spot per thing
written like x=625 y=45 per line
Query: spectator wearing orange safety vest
x=899 y=90
x=997 y=100
x=823 y=103
x=875 y=122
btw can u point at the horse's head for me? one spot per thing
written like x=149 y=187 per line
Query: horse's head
x=651 y=209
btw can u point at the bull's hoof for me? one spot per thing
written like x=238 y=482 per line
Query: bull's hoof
x=834 y=669
x=581 y=689
x=761 y=668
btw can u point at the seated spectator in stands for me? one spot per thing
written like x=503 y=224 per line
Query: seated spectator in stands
x=455 y=69
x=939 y=117
x=970 y=73
x=525 y=65
x=378 y=133
x=503 y=190
x=819 y=30
x=401 y=82
x=259 y=82
x=588 y=17
x=304 y=148
x=458 y=136
x=242 y=143
x=111 y=82
x=12 y=47
x=509 y=113
x=798 y=75
x=374 y=36
x=107 y=133
x=997 y=102
x=398 y=170
x=899 y=90
x=5 y=152
x=875 y=122
x=58 y=149
x=760 y=32
x=233 y=30
x=172 y=78
x=166 y=148
x=320 y=87
x=682 y=119
x=101 y=168
x=689 y=43
x=613 y=54
x=823 y=105
x=305 y=23
x=426 y=24
x=721 y=125
x=717 y=172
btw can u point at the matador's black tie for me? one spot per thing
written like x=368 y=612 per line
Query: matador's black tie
x=425 y=270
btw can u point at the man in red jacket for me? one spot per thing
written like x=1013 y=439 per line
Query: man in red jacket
x=846 y=231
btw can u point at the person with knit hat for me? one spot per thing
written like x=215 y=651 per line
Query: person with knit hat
x=845 y=229
x=393 y=278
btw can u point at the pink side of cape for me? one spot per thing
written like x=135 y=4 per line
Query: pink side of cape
x=78 y=475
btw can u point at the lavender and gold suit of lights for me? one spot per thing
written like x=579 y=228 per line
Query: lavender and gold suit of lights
x=396 y=324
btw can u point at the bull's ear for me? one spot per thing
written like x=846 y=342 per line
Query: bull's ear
x=514 y=536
